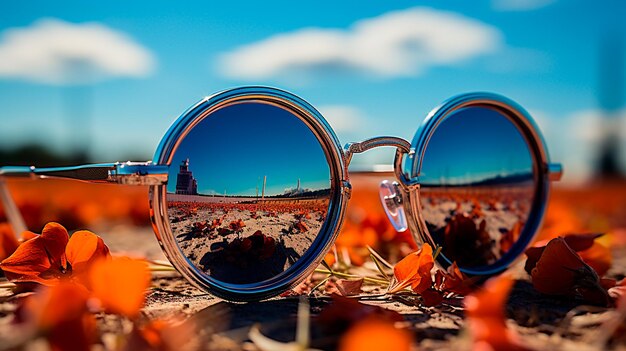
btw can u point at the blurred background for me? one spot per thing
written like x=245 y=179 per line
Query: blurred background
x=100 y=82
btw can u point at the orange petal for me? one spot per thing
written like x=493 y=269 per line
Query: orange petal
x=27 y=235
x=556 y=272
x=162 y=335
x=55 y=239
x=344 y=287
x=581 y=242
x=486 y=319
x=375 y=335
x=28 y=262
x=414 y=270
x=599 y=257
x=489 y=301
x=84 y=248
x=120 y=285
x=40 y=259
x=60 y=313
x=8 y=242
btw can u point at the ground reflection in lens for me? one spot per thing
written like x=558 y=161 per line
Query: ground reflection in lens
x=477 y=186
x=248 y=193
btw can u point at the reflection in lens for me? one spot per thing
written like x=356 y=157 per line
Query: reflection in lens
x=477 y=186
x=248 y=193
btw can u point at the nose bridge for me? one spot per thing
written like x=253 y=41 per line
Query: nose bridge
x=356 y=148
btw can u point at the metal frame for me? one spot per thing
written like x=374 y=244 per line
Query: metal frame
x=544 y=171
x=155 y=174
x=340 y=192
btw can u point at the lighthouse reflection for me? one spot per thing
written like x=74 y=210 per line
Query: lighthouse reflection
x=249 y=192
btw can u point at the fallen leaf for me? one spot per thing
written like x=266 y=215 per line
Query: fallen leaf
x=344 y=287
x=120 y=285
x=40 y=259
x=561 y=271
x=372 y=334
x=414 y=270
x=432 y=297
x=453 y=280
x=598 y=257
x=60 y=313
x=486 y=319
x=160 y=335
x=83 y=249
x=8 y=241
x=577 y=242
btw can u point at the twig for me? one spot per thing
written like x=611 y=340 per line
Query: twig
x=319 y=284
x=353 y=276
x=379 y=266
x=7 y=285
x=379 y=257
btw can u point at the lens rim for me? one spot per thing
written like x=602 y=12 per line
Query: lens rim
x=336 y=210
x=539 y=154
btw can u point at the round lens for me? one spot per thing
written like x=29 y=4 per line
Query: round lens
x=477 y=186
x=248 y=192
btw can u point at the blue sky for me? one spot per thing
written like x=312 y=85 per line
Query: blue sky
x=472 y=145
x=145 y=63
x=233 y=149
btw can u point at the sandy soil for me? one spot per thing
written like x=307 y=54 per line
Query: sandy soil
x=246 y=242
x=545 y=323
x=485 y=220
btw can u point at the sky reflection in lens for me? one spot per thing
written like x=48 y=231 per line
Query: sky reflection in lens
x=475 y=145
x=236 y=147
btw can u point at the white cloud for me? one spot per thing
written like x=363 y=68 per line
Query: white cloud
x=516 y=59
x=520 y=5
x=342 y=118
x=52 y=51
x=576 y=139
x=395 y=44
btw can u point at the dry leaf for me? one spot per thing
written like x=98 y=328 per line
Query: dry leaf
x=120 y=285
x=8 y=242
x=486 y=319
x=60 y=313
x=414 y=270
x=344 y=287
x=40 y=259
x=372 y=334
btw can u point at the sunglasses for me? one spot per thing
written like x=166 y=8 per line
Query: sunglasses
x=249 y=187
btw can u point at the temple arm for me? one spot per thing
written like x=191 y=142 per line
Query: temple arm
x=131 y=173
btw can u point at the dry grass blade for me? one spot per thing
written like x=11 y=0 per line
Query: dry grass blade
x=379 y=266
x=7 y=285
x=379 y=258
x=327 y=266
x=318 y=285
x=437 y=252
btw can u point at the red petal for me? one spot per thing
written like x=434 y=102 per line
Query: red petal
x=120 y=284
x=344 y=287
x=8 y=242
x=84 y=248
x=432 y=297
x=55 y=239
x=414 y=270
x=557 y=269
x=28 y=262
x=581 y=242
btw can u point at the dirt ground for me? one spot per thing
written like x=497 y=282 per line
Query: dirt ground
x=214 y=250
x=544 y=323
